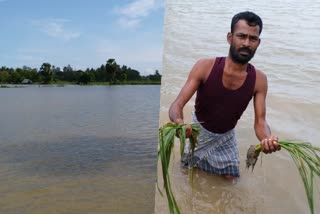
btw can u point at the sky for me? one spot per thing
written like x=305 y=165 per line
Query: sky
x=82 y=33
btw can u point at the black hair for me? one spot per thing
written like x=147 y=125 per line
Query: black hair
x=251 y=18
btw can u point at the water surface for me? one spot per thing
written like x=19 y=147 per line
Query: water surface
x=76 y=149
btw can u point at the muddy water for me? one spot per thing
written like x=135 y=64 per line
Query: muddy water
x=75 y=149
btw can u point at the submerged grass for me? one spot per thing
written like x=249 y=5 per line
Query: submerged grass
x=305 y=157
x=167 y=134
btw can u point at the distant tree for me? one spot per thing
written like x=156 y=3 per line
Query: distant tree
x=69 y=74
x=132 y=74
x=155 y=77
x=15 y=77
x=19 y=70
x=4 y=76
x=56 y=71
x=10 y=75
x=67 y=68
x=112 y=68
x=4 y=68
x=91 y=72
x=85 y=78
x=101 y=75
x=46 y=73
x=26 y=68
x=53 y=70
x=121 y=75
x=108 y=72
x=28 y=73
x=77 y=74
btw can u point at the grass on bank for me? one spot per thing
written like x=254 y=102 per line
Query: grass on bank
x=141 y=82
x=63 y=83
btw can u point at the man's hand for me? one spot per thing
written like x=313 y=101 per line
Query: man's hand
x=179 y=121
x=270 y=144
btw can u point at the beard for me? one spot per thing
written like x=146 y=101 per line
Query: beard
x=239 y=58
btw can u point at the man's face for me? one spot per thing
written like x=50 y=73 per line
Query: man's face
x=244 y=42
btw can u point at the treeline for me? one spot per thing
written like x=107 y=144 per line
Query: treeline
x=110 y=72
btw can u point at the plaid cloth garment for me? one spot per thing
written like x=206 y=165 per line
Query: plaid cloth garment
x=216 y=153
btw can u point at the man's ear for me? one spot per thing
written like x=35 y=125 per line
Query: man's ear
x=229 y=38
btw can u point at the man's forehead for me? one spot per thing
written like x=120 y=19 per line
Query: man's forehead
x=244 y=27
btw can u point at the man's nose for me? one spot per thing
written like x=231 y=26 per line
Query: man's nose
x=246 y=42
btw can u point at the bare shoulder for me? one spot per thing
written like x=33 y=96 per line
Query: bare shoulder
x=261 y=81
x=202 y=68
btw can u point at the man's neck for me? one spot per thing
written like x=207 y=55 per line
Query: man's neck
x=232 y=66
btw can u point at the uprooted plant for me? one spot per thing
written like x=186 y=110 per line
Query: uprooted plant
x=305 y=157
x=167 y=135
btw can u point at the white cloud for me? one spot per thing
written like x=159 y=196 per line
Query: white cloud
x=138 y=8
x=131 y=15
x=56 y=28
x=129 y=23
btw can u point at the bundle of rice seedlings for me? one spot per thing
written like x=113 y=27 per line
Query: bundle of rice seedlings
x=305 y=158
x=167 y=135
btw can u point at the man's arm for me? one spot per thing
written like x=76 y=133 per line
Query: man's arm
x=197 y=75
x=262 y=129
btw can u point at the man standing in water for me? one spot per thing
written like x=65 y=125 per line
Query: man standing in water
x=225 y=86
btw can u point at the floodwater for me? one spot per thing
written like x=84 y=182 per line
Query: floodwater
x=78 y=149
x=289 y=55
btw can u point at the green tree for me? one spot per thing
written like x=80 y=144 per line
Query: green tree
x=155 y=77
x=29 y=73
x=69 y=74
x=85 y=78
x=46 y=73
x=121 y=75
x=56 y=73
x=101 y=75
x=4 y=76
x=15 y=77
x=112 y=68
x=91 y=72
x=131 y=73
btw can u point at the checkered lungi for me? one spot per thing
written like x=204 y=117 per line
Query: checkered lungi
x=216 y=153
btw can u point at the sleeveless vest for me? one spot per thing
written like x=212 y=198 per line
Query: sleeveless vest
x=219 y=108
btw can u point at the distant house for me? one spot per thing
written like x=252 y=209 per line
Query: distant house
x=26 y=81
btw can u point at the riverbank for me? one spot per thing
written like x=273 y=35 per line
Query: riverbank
x=63 y=83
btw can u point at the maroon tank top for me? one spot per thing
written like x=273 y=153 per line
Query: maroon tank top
x=220 y=108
